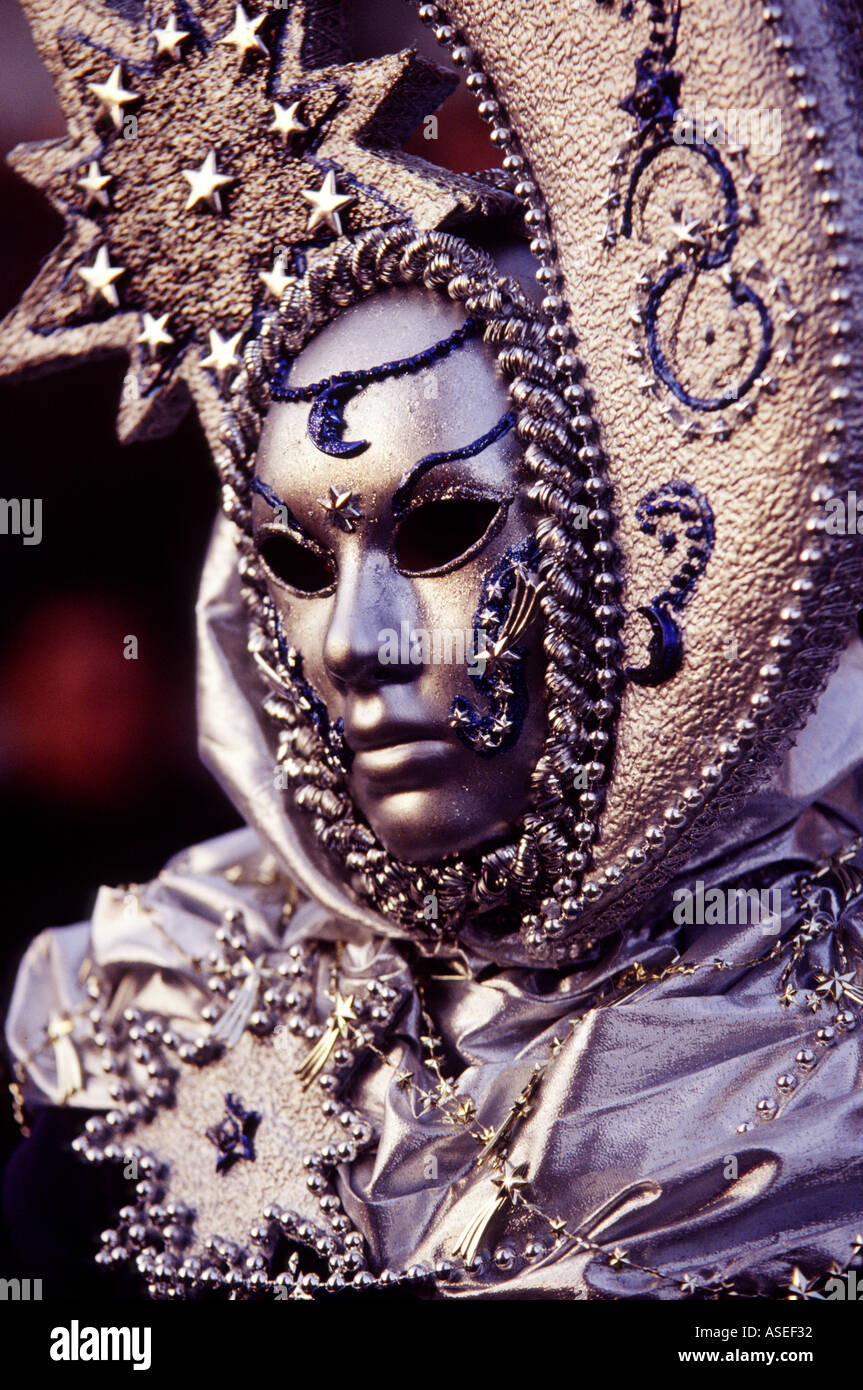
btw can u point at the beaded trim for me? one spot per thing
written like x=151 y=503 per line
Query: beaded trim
x=541 y=865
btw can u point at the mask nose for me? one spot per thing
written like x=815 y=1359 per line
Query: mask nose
x=371 y=602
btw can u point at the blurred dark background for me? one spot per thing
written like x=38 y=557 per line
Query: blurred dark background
x=99 y=776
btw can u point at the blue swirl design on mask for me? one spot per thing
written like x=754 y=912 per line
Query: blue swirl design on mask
x=307 y=698
x=463 y=451
x=503 y=684
x=329 y=397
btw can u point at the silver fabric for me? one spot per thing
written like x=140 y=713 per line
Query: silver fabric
x=639 y=1112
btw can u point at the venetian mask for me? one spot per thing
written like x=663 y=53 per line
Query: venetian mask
x=396 y=538
x=414 y=523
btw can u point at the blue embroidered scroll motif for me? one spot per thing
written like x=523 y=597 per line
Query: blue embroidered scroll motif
x=653 y=103
x=683 y=501
x=710 y=259
x=271 y=497
x=310 y=702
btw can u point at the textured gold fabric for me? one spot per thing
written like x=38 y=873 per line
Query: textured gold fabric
x=561 y=72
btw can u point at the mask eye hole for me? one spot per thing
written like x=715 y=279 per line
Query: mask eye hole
x=296 y=565
x=436 y=534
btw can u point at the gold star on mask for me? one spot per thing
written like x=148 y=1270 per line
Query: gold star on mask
x=223 y=352
x=340 y=507
x=244 y=36
x=276 y=281
x=287 y=123
x=153 y=333
x=687 y=230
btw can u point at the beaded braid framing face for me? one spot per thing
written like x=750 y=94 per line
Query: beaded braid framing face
x=536 y=876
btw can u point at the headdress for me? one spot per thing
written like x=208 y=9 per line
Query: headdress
x=686 y=397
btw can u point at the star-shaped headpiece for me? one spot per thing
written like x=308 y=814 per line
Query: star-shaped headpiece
x=213 y=150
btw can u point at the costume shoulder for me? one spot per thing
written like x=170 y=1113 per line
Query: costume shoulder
x=145 y=943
